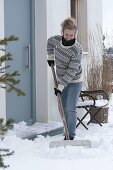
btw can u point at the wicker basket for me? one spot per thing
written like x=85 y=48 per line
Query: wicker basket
x=102 y=116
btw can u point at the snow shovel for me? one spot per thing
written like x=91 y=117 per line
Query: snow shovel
x=67 y=142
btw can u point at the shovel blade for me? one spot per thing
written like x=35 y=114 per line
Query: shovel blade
x=64 y=143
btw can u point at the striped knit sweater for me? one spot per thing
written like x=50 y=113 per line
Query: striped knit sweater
x=67 y=60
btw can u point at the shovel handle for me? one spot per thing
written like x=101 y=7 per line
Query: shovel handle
x=54 y=76
x=61 y=110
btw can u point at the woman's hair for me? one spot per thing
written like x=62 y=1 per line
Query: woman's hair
x=69 y=23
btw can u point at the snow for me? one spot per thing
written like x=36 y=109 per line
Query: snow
x=98 y=103
x=36 y=154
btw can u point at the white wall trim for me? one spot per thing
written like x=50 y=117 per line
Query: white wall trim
x=41 y=61
x=2 y=91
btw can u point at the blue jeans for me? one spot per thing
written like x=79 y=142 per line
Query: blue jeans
x=69 y=97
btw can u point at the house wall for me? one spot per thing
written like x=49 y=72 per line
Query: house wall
x=107 y=11
x=41 y=61
x=94 y=13
x=48 y=23
x=54 y=19
x=90 y=32
x=89 y=20
x=48 y=20
x=2 y=92
x=94 y=22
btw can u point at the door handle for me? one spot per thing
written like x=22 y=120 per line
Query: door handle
x=29 y=57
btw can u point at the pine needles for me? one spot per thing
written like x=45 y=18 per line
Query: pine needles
x=5 y=152
x=8 y=81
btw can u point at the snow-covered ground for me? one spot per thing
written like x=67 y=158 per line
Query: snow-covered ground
x=36 y=155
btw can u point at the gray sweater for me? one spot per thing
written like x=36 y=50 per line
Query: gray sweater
x=67 y=60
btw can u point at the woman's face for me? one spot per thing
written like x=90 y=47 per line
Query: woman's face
x=69 y=34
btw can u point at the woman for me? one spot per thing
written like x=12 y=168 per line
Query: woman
x=66 y=52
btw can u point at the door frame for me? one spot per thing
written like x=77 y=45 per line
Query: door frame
x=33 y=74
x=79 y=11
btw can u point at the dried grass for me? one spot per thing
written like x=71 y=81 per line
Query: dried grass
x=94 y=76
x=99 y=69
x=99 y=75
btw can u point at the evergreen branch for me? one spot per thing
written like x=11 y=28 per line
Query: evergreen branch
x=4 y=127
x=2 y=72
x=9 y=78
x=3 y=68
x=13 y=38
x=17 y=90
x=15 y=73
x=3 y=87
x=5 y=57
x=2 y=163
x=2 y=49
x=9 y=81
x=7 y=153
x=10 y=123
x=4 y=150
x=11 y=86
x=5 y=40
x=1 y=121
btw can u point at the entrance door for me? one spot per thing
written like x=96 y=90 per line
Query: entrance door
x=18 y=22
